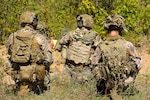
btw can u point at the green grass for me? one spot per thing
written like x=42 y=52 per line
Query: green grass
x=65 y=90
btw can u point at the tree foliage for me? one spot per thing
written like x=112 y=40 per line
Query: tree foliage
x=60 y=15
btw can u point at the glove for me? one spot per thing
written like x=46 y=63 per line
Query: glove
x=46 y=64
x=58 y=47
x=15 y=66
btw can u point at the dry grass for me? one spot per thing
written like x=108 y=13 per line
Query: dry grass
x=69 y=90
x=64 y=89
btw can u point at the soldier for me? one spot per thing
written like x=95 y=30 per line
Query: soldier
x=30 y=55
x=77 y=47
x=43 y=29
x=119 y=61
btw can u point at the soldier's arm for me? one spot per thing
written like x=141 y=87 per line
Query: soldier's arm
x=44 y=45
x=96 y=56
x=64 y=41
x=97 y=41
x=134 y=55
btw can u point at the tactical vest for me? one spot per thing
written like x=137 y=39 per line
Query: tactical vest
x=79 y=49
x=116 y=63
x=78 y=52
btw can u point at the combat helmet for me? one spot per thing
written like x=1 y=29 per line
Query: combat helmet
x=115 y=20
x=85 y=20
x=28 y=17
x=43 y=28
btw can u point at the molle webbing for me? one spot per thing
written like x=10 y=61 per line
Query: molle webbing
x=21 y=48
x=79 y=52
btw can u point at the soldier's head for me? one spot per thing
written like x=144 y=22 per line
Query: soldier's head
x=85 y=20
x=43 y=28
x=115 y=22
x=28 y=18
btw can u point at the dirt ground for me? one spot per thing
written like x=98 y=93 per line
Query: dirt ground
x=146 y=62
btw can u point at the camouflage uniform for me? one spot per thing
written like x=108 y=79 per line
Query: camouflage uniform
x=43 y=29
x=119 y=61
x=77 y=47
x=40 y=42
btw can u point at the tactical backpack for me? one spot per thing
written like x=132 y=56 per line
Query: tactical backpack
x=21 y=47
x=32 y=72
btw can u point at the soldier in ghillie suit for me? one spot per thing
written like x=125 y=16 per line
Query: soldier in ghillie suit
x=119 y=61
x=77 y=47
x=30 y=55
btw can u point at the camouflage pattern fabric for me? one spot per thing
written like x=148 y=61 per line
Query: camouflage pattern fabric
x=27 y=17
x=79 y=73
x=39 y=39
x=37 y=75
x=85 y=20
x=77 y=47
x=43 y=29
x=116 y=20
x=21 y=48
x=79 y=53
x=119 y=61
